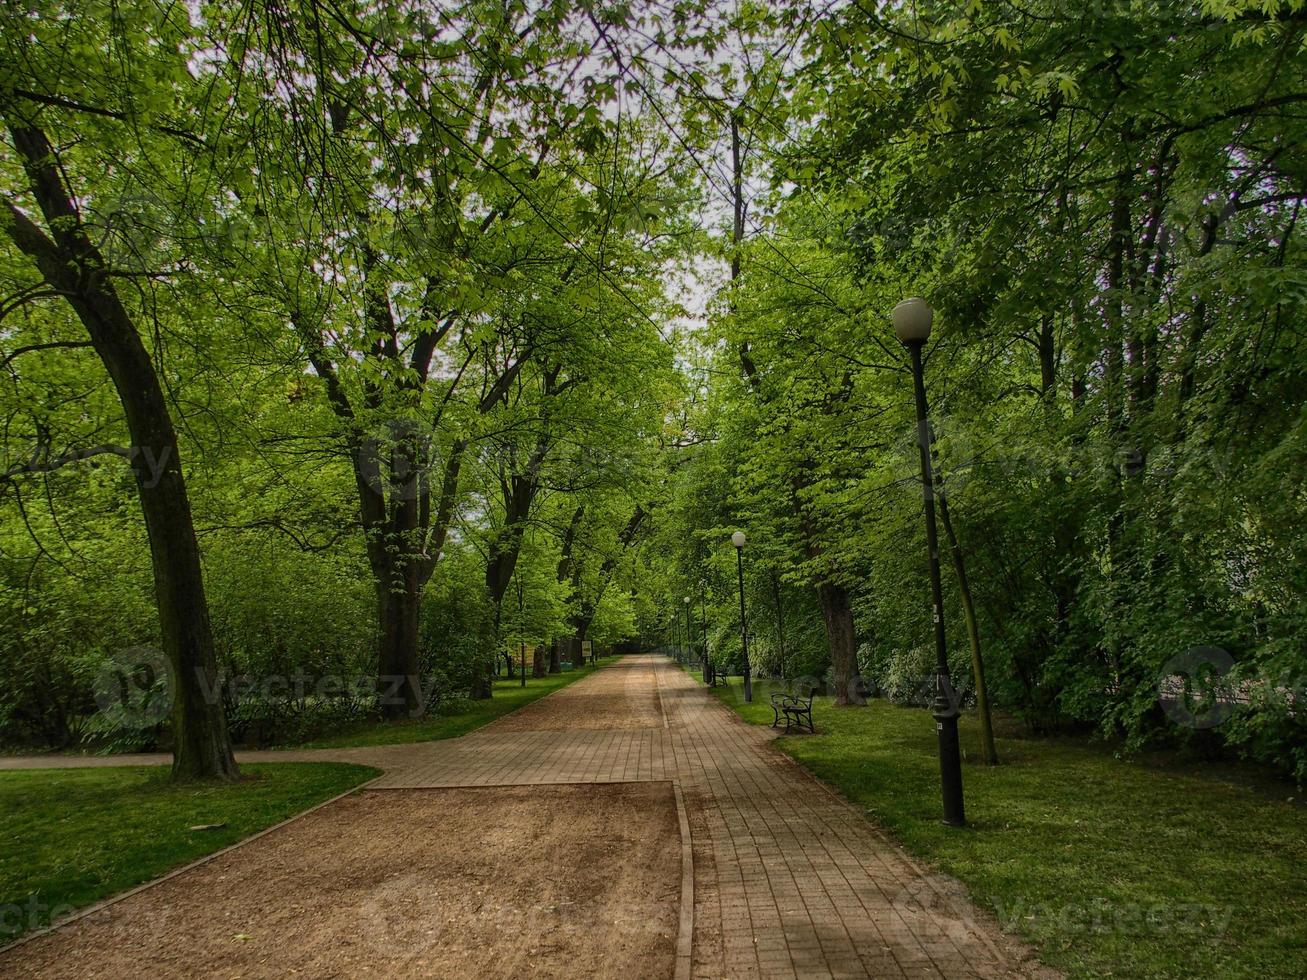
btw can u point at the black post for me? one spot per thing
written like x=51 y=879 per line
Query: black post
x=689 y=638
x=744 y=629
x=703 y=631
x=521 y=634
x=944 y=708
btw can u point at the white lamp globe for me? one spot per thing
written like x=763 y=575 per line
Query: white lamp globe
x=912 y=319
x=738 y=539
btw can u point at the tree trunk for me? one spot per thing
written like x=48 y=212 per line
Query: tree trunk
x=838 y=614
x=538 y=668
x=499 y=573
x=578 y=641
x=780 y=619
x=556 y=656
x=988 y=748
x=399 y=682
x=72 y=264
x=482 y=687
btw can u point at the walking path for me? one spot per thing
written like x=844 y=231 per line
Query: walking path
x=788 y=880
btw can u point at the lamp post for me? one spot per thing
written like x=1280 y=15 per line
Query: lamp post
x=912 y=321
x=689 y=633
x=703 y=625
x=521 y=631
x=739 y=540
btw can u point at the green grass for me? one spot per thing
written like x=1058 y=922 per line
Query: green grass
x=1111 y=867
x=69 y=837
x=509 y=695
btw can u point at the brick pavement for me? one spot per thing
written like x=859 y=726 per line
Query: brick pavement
x=789 y=880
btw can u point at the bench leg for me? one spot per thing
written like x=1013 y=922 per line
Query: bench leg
x=802 y=720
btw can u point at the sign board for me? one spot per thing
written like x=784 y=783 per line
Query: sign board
x=587 y=651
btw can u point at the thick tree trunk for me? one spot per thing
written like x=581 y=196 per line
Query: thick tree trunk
x=838 y=614
x=499 y=573
x=72 y=264
x=538 y=666
x=399 y=682
x=556 y=656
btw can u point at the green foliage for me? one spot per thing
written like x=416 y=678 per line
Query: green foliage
x=1103 y=207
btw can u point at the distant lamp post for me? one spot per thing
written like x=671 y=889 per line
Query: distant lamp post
x=912 y=320
x=521 y=629
x=689 y=633
x=703 y=627
x=739 y=541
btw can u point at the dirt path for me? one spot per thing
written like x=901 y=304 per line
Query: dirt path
x=553 y=881
x=787 y=880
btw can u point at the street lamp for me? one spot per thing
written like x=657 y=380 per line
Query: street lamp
x=912 y=321
x=521 y=630
x=703 y=631
x=689 y=634
x=739 y=540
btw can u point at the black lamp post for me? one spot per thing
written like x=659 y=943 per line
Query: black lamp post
x=689 y=634
x=703 y=623
x=912 y=321
x=521 y=631
x=739 y=540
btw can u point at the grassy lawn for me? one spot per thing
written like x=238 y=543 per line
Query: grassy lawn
x=69 y=837
x=466 y=716
x=1113 y=868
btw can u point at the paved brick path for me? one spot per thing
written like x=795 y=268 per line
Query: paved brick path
x=789 y=881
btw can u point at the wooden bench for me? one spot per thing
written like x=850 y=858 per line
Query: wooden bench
x=795 y=709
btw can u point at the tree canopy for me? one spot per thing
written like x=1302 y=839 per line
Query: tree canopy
x=345 y=340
